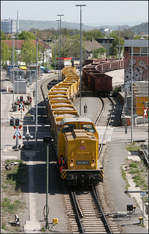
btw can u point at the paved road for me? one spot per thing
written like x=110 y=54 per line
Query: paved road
x=114 y=185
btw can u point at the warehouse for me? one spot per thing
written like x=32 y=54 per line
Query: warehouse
x=136 y=72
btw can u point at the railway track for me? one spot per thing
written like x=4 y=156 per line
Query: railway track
x=86 y=213
x=83 y=208
x=106 y=110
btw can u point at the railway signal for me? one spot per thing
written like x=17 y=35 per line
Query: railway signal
x=21 y=107
x=145 y=113
x=12 y=123
x=17 y=122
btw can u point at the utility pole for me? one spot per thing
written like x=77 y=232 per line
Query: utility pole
x=60 y=15
x=131 y=91
x=36 y=120
x=80 y=5
x=47 y=186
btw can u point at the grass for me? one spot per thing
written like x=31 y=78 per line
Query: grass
x=4 y=227
x=43 y=229
x=139 y=172
x=16 y=176
x=132 y=147
x=11 y=207
x=123 y=173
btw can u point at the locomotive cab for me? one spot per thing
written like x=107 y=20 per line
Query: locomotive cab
x=78 y=148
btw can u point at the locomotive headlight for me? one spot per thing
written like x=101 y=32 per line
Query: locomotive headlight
x=93 y=163
x=71 y=163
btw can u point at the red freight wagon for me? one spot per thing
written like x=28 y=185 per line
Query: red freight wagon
x=101 y=83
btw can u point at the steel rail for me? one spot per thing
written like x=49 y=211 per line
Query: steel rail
x=100 y=114
x=77 y=211
x=107 y=124
x=103 y=217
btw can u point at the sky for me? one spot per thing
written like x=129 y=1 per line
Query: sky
x=94 y=13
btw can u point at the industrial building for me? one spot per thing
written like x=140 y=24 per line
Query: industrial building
x=136 y=76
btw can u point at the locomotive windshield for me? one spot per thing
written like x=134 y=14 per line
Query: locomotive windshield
x=68 y=128
x=88 y=127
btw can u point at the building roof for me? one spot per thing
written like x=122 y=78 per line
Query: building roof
x=92 y=45
x=19 y=43
x=105 y=40
x=136 y=43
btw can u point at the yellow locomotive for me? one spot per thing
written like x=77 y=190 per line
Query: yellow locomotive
x=76 y=137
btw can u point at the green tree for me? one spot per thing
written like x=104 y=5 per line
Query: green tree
x=3 y=35
x=28 y=52
x=5 y=53
x=118 y=41
x=69 y=48
x=25 y=35
x=92 y=34
x=137 y=37
x=99 y=52
x=127 y=33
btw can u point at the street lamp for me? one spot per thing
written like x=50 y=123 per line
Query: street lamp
x=131 y=91
x=47 y=140
x=80 y=5
x=13 y=47
x=58 y=50
x=60 y=15
x=36 y=120
x=119 y=43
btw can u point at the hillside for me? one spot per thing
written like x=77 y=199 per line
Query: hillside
x=141 y=28
x=41 y=25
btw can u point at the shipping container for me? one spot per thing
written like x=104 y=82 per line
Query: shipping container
x=141 y=104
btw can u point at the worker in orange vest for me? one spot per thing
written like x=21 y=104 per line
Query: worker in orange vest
x=62 y=163
x=61 y=160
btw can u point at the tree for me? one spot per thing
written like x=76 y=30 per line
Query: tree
x=25 y=35
x=93 y=34
x=5 y=53
x=127 y=33
x=118 y=41
x=28 y=52
x=69 y=48
x=99 y=52
x=3 y=35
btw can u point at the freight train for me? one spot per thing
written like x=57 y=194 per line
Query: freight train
x=95 y=79
x=76 y=137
